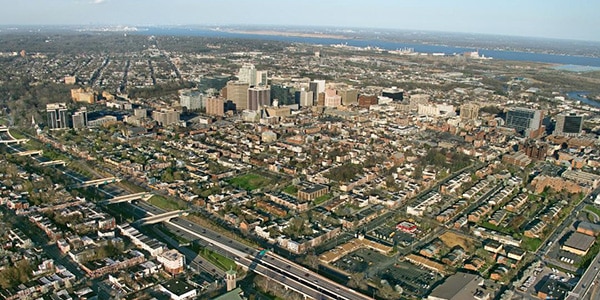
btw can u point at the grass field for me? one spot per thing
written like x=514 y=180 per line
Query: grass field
x=218 y=260
x=452 y=239
x=322 y=199
x=530 y=244
x=593 y=209
x=166 y=204
x=291 y=190
x=250 y=181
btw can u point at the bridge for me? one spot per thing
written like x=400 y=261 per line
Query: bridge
x=285 y=272
x=53 y=163
x=128 y=198
x=97 y=182
x=273 y=267
x=153 y=219
x=30 y=153
x=7 y=138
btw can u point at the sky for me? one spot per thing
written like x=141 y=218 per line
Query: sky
x=575 y=19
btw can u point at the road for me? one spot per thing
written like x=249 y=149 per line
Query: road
x=586 y=281
x=268 y=264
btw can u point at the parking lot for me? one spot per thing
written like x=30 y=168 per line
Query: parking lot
x=359 y=260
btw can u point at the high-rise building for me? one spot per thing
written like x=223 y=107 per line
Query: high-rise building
x=306 y=98
x=568 y=124
x=259 y=97
x=165 y=117
x=283 y=94
x=524 y=120
x=317 y=86
x=247 y=74
x=215 y=107
x=332 y=99
x=80 y=119
x=321 y=99
x=261 y=78
x=237 y=92
x=58 y=116
x=348 y=96
x=394 y=93
x=191 y=99
x=469 y=111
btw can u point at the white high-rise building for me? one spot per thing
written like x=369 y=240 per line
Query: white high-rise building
x=191 y=99
x=247 y=74
x=306 y=98
x=261 y=78
x=58 y=116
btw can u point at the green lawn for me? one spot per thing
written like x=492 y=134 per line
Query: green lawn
x=530 y=244
x=218 y=260
x=250 y=181
x=322 y=199
x=17 y=134
x=166 y=204
x=291 y=190
x=593 y=209
x=491 y=226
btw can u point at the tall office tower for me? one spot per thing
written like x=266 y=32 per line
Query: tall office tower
x=238 y=93
x=306 y=98
x=524 y=120
x=165 y=117
x=393 y=93
x=321 y=99
x=568 y=124
x=247 y=74
x=80 y=119
x=349 y=96
x=191 y=99
x=58 y=116
x=317 y=86
x=261 y=78
x=215 y=107
x=282 y=93
x=469 y=111
x=332 y=99
x=258 y=97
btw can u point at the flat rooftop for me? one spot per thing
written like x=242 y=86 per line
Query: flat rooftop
x=580 y=241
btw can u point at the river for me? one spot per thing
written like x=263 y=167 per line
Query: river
x=579 y=96
x=386 y=45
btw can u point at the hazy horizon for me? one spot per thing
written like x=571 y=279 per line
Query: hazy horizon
x=542 y=19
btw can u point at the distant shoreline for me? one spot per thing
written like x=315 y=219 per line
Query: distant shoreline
x=287 y=33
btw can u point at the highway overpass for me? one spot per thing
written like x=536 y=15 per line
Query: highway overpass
x=7 y=138
x=53 y=163
x=96 y=182
x=270 y=265
x=153 y=219
x=128 y=198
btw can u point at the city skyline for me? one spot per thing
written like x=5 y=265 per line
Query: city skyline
x=547 y=19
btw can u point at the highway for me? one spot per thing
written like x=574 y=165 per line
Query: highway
x=268 y=264
x=586 y=281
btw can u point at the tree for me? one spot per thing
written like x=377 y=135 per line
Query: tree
x=357 y=280
x=312 y=261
